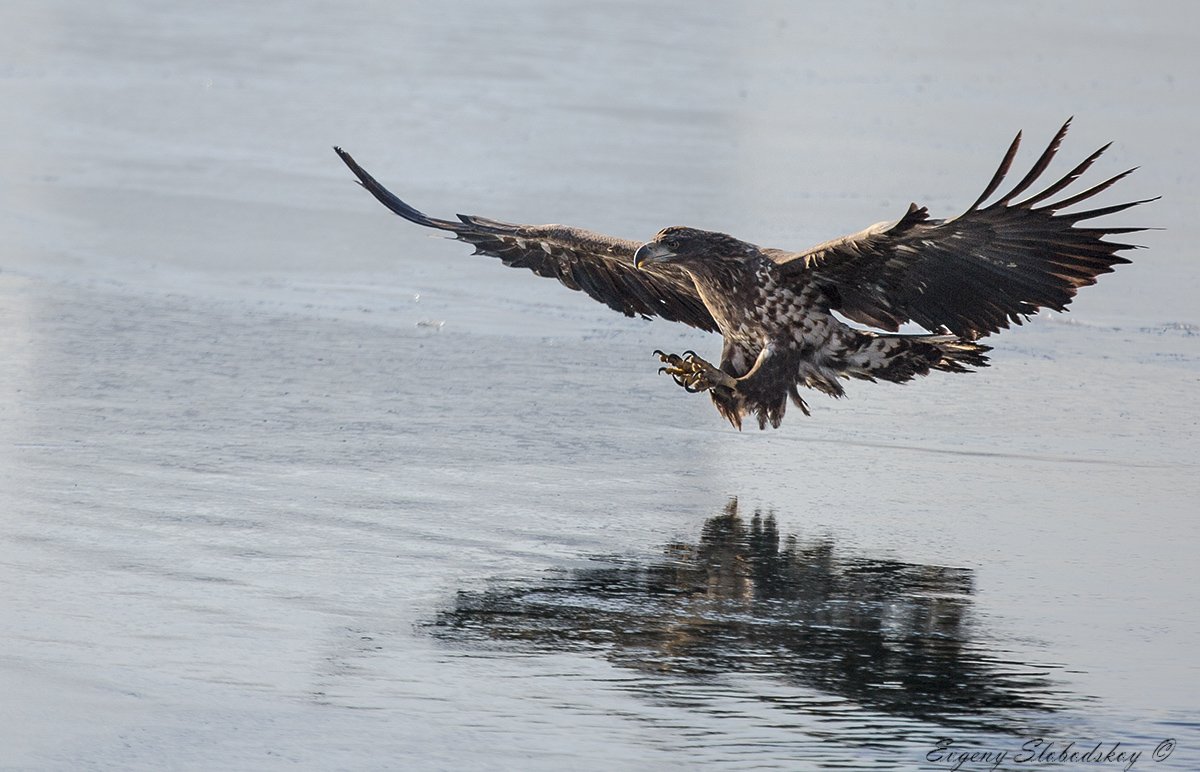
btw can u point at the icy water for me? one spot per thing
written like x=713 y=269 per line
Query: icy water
x=286 y=484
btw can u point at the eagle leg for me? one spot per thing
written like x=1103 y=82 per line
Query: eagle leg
x=693 y=373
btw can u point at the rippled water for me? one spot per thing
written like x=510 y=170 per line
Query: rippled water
x=858 y=638
x=283 y=483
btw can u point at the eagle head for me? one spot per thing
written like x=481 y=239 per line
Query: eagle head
x=679 y=244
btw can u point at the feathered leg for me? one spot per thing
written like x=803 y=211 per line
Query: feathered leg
x=760 y=391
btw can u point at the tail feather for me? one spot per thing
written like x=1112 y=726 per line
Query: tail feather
x=958 y=356
x=871 y=356
x=900 y=358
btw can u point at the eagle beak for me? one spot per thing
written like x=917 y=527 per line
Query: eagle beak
x=650 y=253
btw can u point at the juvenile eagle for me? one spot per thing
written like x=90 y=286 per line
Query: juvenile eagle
x=960 y=279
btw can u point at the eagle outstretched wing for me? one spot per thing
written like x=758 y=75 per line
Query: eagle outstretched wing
x=601 y=266
x=974 y=274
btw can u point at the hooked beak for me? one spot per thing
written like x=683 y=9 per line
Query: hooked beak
x=650 y=253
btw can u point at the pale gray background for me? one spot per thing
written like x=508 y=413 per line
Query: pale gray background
x=254 y=430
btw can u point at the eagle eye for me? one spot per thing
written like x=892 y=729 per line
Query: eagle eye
x=672 y=243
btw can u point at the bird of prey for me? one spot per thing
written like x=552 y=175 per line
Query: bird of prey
x=961 y=279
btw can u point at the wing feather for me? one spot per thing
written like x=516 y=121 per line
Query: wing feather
x=1038 y=167
x=598 y=265
x=974 y=274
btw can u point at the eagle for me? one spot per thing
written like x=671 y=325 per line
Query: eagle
x=782 y=314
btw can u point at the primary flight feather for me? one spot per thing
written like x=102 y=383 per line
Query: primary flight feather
x=960 y=279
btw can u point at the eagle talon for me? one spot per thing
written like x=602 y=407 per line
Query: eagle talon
x=692 y=373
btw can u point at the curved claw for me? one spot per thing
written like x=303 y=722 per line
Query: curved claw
x=690 y=372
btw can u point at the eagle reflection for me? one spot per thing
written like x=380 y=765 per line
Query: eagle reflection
x=890 y=636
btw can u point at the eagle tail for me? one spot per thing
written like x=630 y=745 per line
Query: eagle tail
x=876 y=357
x=900 y=358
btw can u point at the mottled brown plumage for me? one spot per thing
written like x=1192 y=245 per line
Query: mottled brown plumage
x=961 y=279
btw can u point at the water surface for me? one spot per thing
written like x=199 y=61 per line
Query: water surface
x=285 y=483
